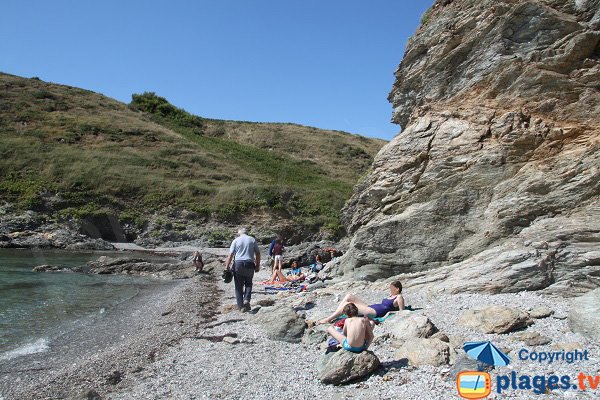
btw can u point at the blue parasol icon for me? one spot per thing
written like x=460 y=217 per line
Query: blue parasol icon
x=486 y=352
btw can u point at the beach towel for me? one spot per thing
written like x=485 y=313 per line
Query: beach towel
x=270 y=283
x=379 y=320
x=275 y=289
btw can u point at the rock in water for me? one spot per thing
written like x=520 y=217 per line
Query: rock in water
x=281 y=323
x=343 y=366
x=491 y=149
x=495 y=319
x=584 y=316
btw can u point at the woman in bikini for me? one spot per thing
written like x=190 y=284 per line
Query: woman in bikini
x=394 y=302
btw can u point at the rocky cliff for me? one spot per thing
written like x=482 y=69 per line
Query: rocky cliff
x=495 y=176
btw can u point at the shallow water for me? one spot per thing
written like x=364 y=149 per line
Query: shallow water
x=37 y=307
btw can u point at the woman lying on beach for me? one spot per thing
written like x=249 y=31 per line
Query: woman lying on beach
x=357 y=334
x=279 y=277
x=394 y=302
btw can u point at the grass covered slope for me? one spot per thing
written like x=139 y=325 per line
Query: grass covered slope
x=73 y=153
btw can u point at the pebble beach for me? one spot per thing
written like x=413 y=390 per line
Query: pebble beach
x=185 y=346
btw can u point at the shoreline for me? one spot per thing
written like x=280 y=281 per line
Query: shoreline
x=184 y=343
x=122 y=340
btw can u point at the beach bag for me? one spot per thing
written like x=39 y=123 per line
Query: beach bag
x=227 y=276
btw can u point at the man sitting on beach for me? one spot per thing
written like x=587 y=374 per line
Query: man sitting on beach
x=357 y=334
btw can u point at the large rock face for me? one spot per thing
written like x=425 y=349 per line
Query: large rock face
x=500 y=155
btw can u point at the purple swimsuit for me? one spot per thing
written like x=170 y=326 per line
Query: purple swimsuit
x=384 y=307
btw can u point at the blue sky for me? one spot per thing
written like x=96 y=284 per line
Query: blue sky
x=323 y=63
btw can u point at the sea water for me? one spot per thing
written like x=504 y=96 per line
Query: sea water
x=37 y=307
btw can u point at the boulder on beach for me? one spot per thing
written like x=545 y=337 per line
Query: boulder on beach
x=280 y=323
x=315 y=335
x=420 y=351
x=531 y=338
x=407 y=325
x=541 y=312
x=584 y=316
x=465 y=363
x=343 y=366
x=495 y=319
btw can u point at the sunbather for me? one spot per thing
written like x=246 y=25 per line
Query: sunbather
x=394 y=302
x=279 y=277
x=357 y=334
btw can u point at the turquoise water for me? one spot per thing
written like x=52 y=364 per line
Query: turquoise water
x=36 y=307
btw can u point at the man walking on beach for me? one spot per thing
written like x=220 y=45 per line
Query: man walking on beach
x=244 y=250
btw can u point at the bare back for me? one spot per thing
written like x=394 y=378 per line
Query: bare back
x=357 y=329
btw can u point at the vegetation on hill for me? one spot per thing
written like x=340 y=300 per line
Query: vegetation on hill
x=73 y=153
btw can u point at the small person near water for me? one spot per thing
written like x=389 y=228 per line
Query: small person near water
x=357 y=334
x=197 y=260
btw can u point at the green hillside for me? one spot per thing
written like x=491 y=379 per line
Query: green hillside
x=72 y=153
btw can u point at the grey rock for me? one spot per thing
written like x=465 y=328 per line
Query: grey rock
x=408 y=325
x=419 y=351
x=495 y=164
x=56 y=268
x=280 y=323
x=441 y=336
x=531 y=338
x=381 y=339
x=231 y=340
x=584 y=315
x=541 y=312
x=115 y=377
x=344 y=367
x=570 y=346
x=495 y=319
x=265 y=302
x=90 y=394
x=139 y=266
x=315 y=335
x=465 y=363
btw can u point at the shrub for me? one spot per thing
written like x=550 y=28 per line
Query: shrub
x=218 y=237
x=425 y=17
x=159 y=107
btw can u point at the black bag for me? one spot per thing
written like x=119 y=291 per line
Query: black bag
x=227 y=276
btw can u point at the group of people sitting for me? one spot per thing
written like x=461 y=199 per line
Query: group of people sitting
x=354 y=332
x=354 y=319
x=295 y=274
